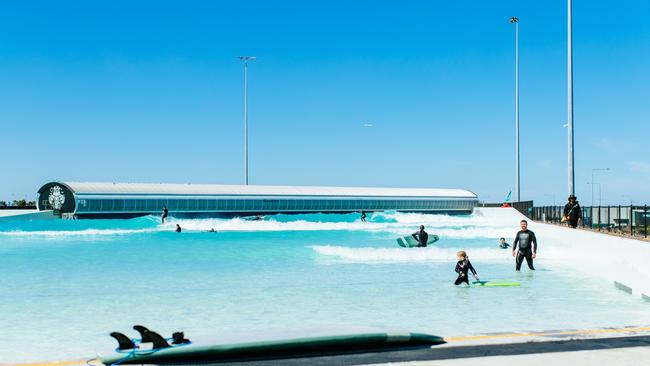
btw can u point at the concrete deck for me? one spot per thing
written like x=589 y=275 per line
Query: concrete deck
x=611 y=346
x=21 y=215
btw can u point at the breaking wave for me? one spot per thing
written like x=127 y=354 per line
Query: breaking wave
x=406 y=255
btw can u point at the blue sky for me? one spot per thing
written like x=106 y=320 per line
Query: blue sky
x=151 y=91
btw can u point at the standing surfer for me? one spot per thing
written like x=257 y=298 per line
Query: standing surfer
x=421 y=236
x=463 y=267
x=164 y=214
x=527 y=246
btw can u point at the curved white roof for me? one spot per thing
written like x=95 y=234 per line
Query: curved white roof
x=218 y=189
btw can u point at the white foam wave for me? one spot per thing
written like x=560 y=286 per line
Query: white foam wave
x=238 y=224
x=441 y=225
x=406 y=255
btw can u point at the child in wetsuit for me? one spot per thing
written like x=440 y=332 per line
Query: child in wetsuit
x=463 y=267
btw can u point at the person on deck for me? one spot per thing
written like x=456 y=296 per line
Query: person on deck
x=572 y=212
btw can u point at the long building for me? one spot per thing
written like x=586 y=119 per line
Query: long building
x=124 y=200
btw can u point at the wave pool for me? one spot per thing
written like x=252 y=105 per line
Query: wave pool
x=66 y=284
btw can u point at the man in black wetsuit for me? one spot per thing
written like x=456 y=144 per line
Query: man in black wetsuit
x=572 y=212
x=421 y=236
x=527 y=246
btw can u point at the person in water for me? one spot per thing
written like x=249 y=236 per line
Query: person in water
x=572 y=212
x=503 y=244
x=164 y=214
x=527 y=243
x=363 y=216
x=178 y=228
x=421 y=236
x=463 y=267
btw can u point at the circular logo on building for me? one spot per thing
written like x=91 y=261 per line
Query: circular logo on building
x=56 y=198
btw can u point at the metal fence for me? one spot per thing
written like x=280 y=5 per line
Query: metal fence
x=525 y=207
x=632 y=220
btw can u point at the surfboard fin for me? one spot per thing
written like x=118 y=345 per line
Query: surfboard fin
x=123 y=341
x=158 y=341
x=143 y=333
x=179 y=338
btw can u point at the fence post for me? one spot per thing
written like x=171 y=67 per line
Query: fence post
x=599 y=209
x=631 y=221
x=619 y=217
x=645 y=221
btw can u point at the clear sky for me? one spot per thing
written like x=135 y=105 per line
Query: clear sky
x=152 y=91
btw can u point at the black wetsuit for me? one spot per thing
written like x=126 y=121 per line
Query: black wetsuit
x=178 y=229
x=363 y=216
x=504 y=245
x=573 y=212
x=422 y=237
x=164 y=215
x=527 y=246
x=462 y=268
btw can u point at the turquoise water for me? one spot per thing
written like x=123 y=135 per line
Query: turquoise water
x=65 y=285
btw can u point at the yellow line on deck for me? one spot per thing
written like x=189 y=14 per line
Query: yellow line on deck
x=538 y=334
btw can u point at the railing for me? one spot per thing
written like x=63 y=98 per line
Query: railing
x=632 y=220
x=525 y=207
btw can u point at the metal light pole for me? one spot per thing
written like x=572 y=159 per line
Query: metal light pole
x=515 y=20
x=570 y=100
x=592 y=182
x=246 y=59
x=600 y=196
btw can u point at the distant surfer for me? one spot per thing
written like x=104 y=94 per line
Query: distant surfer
x=178 y=228
x=363 y=216
x=164 y=214
x=421 y=236
x=527 y=246
x=211 y=230
x=503 y=244
x=572 y=212
x=463 y=267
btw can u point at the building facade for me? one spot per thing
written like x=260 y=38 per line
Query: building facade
x=124 y=200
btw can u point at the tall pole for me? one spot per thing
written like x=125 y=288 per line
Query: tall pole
x=592 y=187
x=246 y=59
x=515 y=20
x=570 y=100
x=592 y=181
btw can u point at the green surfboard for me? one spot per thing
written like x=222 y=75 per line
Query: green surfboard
x=276 y=349
x=410 y=242
x=495 y=284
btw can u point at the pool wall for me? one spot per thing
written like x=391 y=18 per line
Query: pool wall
x=622 y=261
